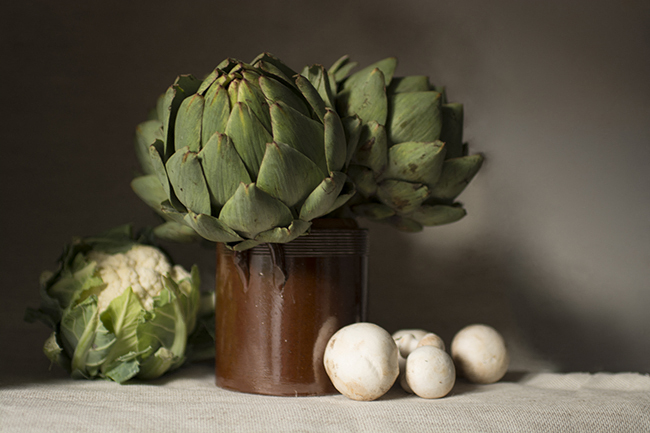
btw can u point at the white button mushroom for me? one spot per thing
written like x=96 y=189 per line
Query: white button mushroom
x=480 y=354
x=361 y=361
x=430 y=372
x=431 y=339
x=407 y=341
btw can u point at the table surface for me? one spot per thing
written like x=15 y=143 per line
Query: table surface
x=188 y=401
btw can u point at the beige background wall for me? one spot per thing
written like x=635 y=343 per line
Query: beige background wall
x=555 y=251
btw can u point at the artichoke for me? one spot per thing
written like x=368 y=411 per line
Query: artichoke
x=249 y=155
x=120 y=310
x=411 y=163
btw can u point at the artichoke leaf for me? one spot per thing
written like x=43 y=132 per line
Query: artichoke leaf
x=419 y=162
x=249 y=137
x=187 y=131
x=352 y=127
x=275 y=91
x=452 y=129
x=323 y=197
x=149 y=189
x=414 y=116
x=287 y=175
x=456 y=174
x=373 y=148
x=175 y=232
x=300 y=132
x=402 y=196
x=364 y=179
x=250 y=94
x=386 y=66
x=186 y=176
x=312 y=96
x=184 y=86
x=223 y=168
x=404 y=224
x=215 y=112
x=412 y=83
x=341 y=68
x=211 y=228
x=368 y=100
x=335 y=141
x=375 y=211
x=435 y=215
x=146 y=134
x=284 y=234
x=251 y=211
x=278 y=65
x=320 y=80
x=171 y=212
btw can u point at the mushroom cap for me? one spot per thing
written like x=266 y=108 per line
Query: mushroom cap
x=480 y=354
x=430 y=372
x=431 y=339
x=361 y=360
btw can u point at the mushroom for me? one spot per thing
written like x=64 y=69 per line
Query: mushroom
x=431 y=339
x=407 y=341
x=480 y=354
x=430 y=372
x=361 y=361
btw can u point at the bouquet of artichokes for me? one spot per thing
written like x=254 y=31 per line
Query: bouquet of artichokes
x=119 y=309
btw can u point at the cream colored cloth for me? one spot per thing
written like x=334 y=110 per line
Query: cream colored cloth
x=188 y=401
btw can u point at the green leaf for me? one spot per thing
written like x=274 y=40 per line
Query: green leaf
x=149 y=189
x=249 y=137
x=55 y=353
x=414 y=117
x=186 y=176
x=215 y=112
x=223 y=168
x=184 y=86
x=375 y=211
x=250 y=94
x=321 y=82
x=368 y=99
x=287 y=175
x=386 y=66
x=335 y=141
x=101 y=346
x=123 y=371
x=275 y=91
x=146 y=134
x=364 y=180
x=373 y=148
x=352 y=127
x=175 y=232
x=78 y=326
x=187 y=132
x=437 y=214
x=265 y=60
x=251 y=211
x=413 y=83
x=283 y=235
x=452 y=129
x=404 y=224
x=73 y=281
x=341 y=68
x=416 y=162
x=322 y=198
x=403 y=197
x=211 y=228
x=312 y=96
x=300 y=132
x=157 y=364
x=456 y=175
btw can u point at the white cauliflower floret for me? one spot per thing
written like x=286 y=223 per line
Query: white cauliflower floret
x=141 y=268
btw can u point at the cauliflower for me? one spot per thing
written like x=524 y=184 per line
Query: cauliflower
x=142 y=268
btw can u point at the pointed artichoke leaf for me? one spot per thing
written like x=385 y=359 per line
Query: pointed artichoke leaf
x=404 y=224
x=211 y=228
x=287 y=175
x=243 y=246
x=364 y=179
x=322 y=198
x=413 y=83
x=251 y=211
x=146 y=134
x=348 y=191
x=416 y=162
x=336 y=146
x=187 y=131
x=352 y=127
x=320 y=79
x=171 y=212
x=374 y=211
x=175 y=232
x=456 y=174
x=373 y=148
x=156 y=157
x=149 y=189
x=414 y=116
x=300 y=132
x=403 y=197
x=250 y=94
x=215 y=112
x=341 y=68
x=436 y=215
x=452 y=129
x=208 y=81
x=249 y=137
x=184 y=86
x=368 y=100
x=186 y=176
x=312 y=96
x=268 y=58
x=386 y=66
x=224 y=170
x=276 y=91
x=283 y=235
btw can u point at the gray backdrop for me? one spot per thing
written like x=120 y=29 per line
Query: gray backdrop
x=555 y=249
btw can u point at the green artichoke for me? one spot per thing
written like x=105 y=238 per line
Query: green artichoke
x=411 y=163
x=120 y=309
x=249 y=155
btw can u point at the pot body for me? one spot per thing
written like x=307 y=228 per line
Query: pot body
x=279 y=304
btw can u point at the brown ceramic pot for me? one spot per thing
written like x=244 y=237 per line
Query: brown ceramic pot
x=279 y=304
